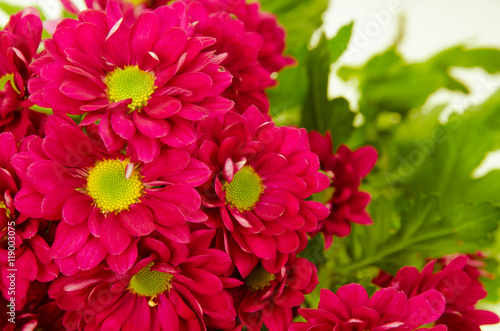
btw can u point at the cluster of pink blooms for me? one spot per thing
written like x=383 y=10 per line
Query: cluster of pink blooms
x=160 y=195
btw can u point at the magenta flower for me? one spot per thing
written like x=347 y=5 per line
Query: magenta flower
x=30 y=256
x=261 y=176
x=263 y=23
x=173 y=287
x=242 y=47
x=346 y=168
x=269 y=298
x=144 y=83
x=350 y=309
x=20 y=39
x=460 y=287
x=104 y=199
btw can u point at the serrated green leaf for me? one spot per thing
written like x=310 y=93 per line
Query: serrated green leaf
x=424 y=233
x=300 y=19
x=320 y=113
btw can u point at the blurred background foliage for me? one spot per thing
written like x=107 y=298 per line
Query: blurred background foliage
x=426 y=200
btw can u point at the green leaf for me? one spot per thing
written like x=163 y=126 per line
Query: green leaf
x=388 y=83
x=424 y=232
x=320 y=113
x=300 y=19
x=10 y=9
x=338 y=44
x=444 y=161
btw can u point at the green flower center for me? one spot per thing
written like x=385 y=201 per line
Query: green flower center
x=259 y=278
x=244 y=191
x=130 y=83
x=114 y=185
x=150 y=283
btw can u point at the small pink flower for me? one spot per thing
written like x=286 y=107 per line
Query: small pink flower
x=20 y=40
x=271 y=53
x=242 y=47
x=105 y=199
x=261 y=177
x=350 y=309
x=145 y=83
x=173 y=286
x=268 y=299
x=460 y=287
x=346 y=168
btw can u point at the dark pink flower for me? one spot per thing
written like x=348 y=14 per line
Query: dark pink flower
x=145 y=83
x=261 y=177
x=173 y=286
x=271 y=53
x=22 y=247
x=268 y=299
x=460 y=287
x=346 y=169
x=105 y=199
x=242 y=47
x=19 y=42
x=350 y=309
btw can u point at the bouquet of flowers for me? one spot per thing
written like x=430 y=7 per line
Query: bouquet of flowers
x=165 y=166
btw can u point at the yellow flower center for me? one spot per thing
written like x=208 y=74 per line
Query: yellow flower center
x=114 y=185
x=7 y=211
x=149 y=283
x=259 y=278
x=130 y=83
x=244 y=191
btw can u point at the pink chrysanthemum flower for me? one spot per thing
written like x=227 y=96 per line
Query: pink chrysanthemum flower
x=242 y=47
x=174 y=287
x=346 y=168
x=30 y=257
x=20 y=40
x=271 y=53
x=268 y=299
x=460 y=287
x=105 y=199
x=145 y=84
x=261 y=176
x=350 y=309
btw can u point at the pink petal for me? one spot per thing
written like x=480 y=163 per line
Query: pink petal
x=162 y=106
x=77 y=209
x=138 y=221
x=122 y=262
x=287 y=242
x=176 y=159
x=113 y=237
x=268 y=211
x=81 y=89
x=181 y=133
x=151 y=127
x=262 y=246
x=200 y=281
x=146 y=149
x=69 y=239
x=171 y=45
x=91 y=254
x=122 y=123
x=144 y=34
